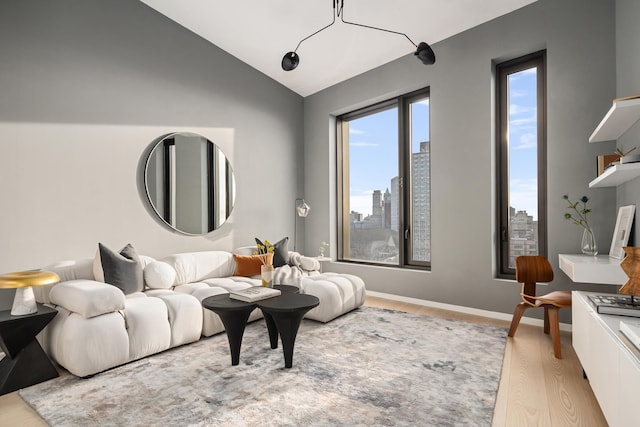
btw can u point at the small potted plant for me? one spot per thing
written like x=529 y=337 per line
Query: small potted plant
x=578 y=215
x=266 y=270
x=323 y=247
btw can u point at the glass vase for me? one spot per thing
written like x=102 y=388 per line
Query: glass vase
x=266 y=273
x=589 y=245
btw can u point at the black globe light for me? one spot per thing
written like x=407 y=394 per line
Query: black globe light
x=424 y=54
x=290 y=61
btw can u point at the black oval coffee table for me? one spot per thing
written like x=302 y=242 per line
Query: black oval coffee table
x=283 y=315
x=234 y=315
x=287 y=288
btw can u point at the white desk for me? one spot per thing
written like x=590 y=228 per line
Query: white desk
x=599 y=269
x=609 y=360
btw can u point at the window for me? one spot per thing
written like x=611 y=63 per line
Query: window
x=521 y=148
x=384 y=183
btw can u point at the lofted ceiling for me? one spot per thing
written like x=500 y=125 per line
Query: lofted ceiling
x=260 y=32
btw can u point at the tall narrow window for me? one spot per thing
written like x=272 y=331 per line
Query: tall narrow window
x=521 y=119
x=385 y=192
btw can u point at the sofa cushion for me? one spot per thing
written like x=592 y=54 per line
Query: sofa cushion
x=185 y=317
x=88 y=298
x=280 y=251
x=66 y=270
x=233 y=283
x=250 y=265
x=338 y=294
x=159 y=275
x=123 y=269
x=148 y=326
x=196 y=266
x=86 y=346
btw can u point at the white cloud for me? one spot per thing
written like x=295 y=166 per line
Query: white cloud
x=354 y=131
x=528 y=140
x=423 y=102
x=363 y=144
x=523 y=121
x=524 y=196
x=518 y=109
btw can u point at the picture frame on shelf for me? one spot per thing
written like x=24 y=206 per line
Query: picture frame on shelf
x=622 y=231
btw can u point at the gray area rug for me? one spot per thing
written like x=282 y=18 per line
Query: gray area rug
x=369 y=367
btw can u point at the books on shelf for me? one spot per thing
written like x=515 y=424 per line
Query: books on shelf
x=631 y=330
x=254 y=293
x=620 y=305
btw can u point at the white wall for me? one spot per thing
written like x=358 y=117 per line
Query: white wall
x=85 y=87
x=580 y=40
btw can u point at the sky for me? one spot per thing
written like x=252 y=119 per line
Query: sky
x=373 y=147
x=373 y=151
x=523 y=182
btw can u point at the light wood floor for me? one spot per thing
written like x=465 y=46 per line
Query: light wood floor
x=536 y=389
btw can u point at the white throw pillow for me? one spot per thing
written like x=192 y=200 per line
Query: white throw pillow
x=159 y=275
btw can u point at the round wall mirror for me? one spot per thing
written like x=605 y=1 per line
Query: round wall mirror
x=189 y=183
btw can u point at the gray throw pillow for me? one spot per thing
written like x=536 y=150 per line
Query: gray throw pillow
x=280 y=251
x=122 y=270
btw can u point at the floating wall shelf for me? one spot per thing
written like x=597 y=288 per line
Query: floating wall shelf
x=621 y=116
x=616 y=175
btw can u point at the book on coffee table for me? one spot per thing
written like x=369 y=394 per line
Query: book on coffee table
x=254 y=293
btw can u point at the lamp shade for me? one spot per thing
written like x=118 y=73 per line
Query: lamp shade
x=24 y=301
x=425 y=54
x=290 y=61
x=302 y=209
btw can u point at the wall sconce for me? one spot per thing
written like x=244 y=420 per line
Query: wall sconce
x=423 y=51
x=302 y=210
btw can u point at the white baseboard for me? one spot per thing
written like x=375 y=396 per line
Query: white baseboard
x=462 y=309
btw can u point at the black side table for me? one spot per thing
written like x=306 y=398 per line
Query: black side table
x=283 y=315
x=234 y=315
x=25 y=362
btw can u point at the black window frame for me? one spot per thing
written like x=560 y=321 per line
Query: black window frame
x=402 y=103
x=502 y=71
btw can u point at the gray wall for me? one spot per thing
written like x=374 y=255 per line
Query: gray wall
x=116 y=63
x=628 y=83
x=579 y=37
x=89 y=62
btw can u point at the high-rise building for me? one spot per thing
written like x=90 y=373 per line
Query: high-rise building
x=387 y=209
x=395 y=206
x=421 y=203
x=523 y=232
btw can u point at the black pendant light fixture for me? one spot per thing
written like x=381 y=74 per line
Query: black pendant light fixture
x=423 y=51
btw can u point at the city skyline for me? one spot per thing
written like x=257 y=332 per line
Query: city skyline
x=373 y=148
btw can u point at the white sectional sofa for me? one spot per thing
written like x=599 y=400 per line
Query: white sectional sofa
x=99 y=327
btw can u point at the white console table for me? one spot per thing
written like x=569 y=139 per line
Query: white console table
x=599 y=269
x=610 y=361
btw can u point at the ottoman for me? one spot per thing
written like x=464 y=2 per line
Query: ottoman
x=338 y=293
